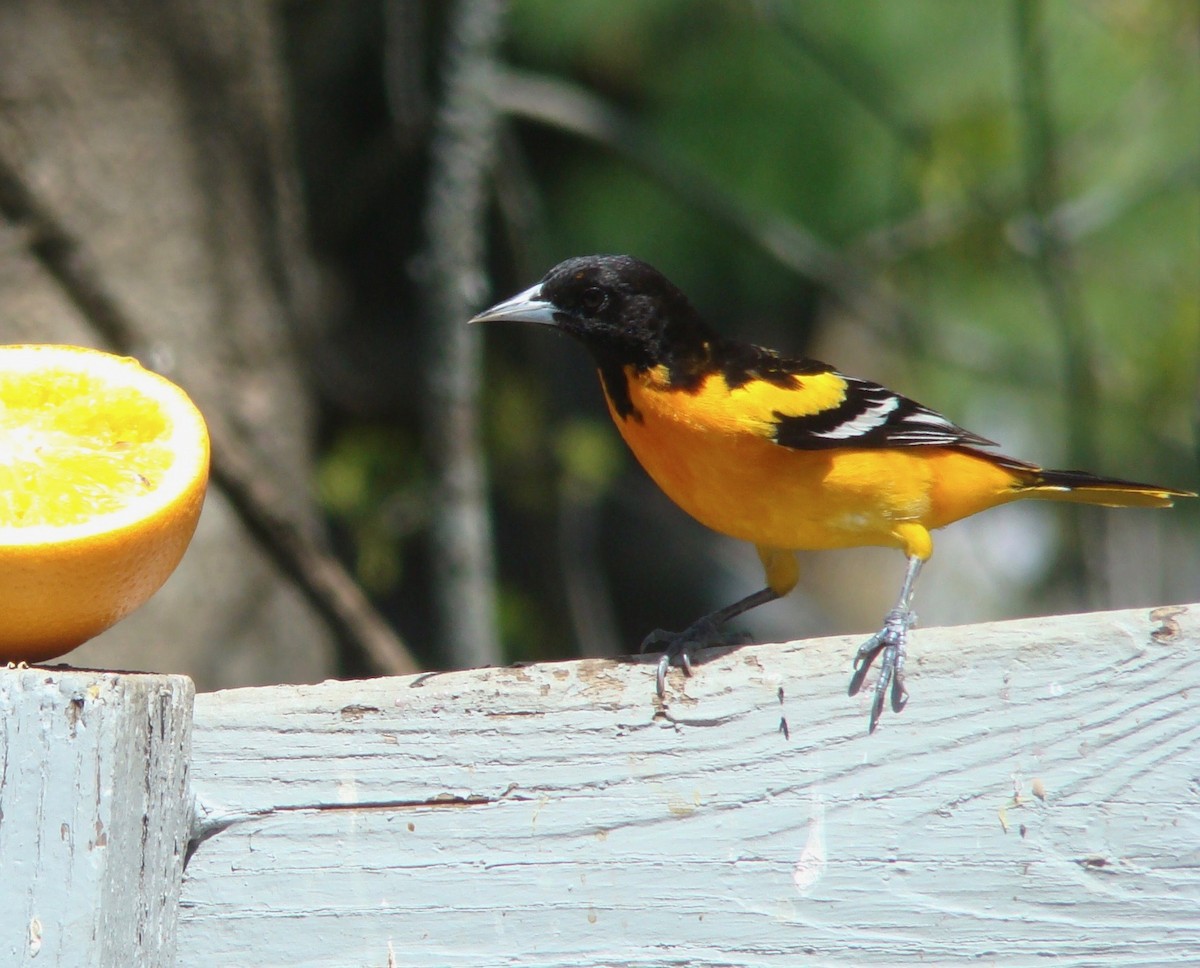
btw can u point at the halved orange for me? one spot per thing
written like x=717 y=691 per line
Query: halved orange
x=103 y=467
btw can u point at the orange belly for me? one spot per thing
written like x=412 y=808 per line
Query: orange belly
x=735 y=480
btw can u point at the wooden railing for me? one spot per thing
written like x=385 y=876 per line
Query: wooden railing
x=1039 y=799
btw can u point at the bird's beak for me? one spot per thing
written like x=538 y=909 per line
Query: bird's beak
x=524 y=307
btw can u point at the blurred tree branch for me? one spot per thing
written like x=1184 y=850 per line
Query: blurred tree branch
x=857 y=79
x=1072 y=220
x=453 y=276
x=1067 y=220
x=571 y=108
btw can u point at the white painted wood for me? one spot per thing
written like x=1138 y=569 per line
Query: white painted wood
x=94 y=816
x=1038 y=800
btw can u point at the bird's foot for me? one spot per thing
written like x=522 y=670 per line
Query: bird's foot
x=890 y=641
x=678 y=647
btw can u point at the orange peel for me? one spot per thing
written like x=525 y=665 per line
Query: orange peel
x=103 y=470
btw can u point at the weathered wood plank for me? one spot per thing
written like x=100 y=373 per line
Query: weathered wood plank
x=94 y=814
x=1038 y=798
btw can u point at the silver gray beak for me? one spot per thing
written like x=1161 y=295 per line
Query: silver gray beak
x=524 y=307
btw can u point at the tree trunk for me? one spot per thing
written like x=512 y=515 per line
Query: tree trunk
x=154 y=133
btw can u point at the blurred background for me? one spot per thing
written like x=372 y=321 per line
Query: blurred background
x=292 y=208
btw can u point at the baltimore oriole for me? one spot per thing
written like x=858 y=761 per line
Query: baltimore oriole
x=788 y=454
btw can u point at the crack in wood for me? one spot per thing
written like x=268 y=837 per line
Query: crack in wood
x=699 y=721
x=208 y=821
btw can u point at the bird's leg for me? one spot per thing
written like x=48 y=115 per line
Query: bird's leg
x=891 y=641
x=704 y=632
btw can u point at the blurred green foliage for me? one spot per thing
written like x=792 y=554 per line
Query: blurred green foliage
x=894 y=133
x=371 y=483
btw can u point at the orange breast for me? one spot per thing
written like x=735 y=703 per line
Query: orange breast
x=710 y=452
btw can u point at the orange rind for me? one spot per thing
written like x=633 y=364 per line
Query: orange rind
x=103 y=469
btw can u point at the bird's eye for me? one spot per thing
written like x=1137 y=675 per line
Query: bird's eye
x=593 y=300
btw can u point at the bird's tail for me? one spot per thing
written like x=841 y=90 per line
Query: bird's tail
x=1084 y=488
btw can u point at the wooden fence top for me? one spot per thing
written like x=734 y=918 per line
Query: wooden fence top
x=1039 y=798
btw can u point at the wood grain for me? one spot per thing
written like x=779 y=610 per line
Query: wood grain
x=94 y=816
x=1039 y=798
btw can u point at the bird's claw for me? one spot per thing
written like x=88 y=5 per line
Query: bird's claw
x=890 y=642
x=677 y=647
x=679 y=652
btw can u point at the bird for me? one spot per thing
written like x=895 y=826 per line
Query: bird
x=786 y=453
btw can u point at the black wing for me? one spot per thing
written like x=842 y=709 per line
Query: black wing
x=871 y=415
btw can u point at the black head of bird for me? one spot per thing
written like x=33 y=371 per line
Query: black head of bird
x=616 y=305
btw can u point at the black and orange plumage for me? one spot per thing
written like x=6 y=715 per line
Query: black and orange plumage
x=788 y=454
